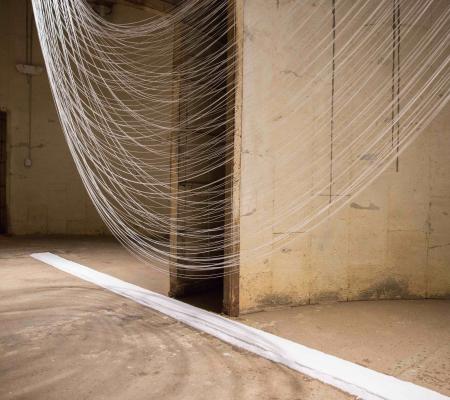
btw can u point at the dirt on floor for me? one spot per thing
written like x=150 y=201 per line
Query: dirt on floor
x=409 y=339
x=61 y=337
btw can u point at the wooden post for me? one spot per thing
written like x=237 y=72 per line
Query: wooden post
x=174 y=170
x=233 y=169
x=174 y=190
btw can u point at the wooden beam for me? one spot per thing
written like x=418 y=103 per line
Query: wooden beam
x=174 y=189
x=233 y=170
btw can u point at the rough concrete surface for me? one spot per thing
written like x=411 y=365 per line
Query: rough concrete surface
x=48 y=197
x=409 y=339
x=63 y=338
x=392 y=240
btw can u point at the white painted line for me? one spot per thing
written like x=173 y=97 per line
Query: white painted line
x=349 y=377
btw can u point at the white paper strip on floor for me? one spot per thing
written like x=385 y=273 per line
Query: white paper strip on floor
x=349 y=377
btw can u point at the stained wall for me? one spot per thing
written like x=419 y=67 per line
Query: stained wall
x=392 y=240
x=48 y=197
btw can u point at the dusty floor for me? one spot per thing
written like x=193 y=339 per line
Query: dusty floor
x=61 y=337
x=409 y=339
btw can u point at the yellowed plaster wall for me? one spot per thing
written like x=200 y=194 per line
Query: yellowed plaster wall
x=391 y=241
x=48 y=197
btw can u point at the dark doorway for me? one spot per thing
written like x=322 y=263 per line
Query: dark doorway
x=3 y=213
x=208 y=189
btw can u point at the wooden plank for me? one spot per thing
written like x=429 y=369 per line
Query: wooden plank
x=174 y=136
x=3 y=211
x=233 y=171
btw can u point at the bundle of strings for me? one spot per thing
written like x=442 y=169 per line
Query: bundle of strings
x=149 y=111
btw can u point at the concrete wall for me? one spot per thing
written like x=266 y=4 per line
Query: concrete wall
x=391 y=241
x=48 y=197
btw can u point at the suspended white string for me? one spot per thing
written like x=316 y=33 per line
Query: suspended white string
x=130 y=94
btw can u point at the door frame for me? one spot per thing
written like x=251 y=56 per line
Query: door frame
x=3 y=172
x=230 y=300
x=233 y=170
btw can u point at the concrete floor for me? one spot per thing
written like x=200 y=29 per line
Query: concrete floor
x=61 y=337
x=409 y=339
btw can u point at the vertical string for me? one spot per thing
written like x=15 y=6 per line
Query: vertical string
x=29 y=61
x=397 y=161
x=394 y=46
x=395 y=129
x=333 y=4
